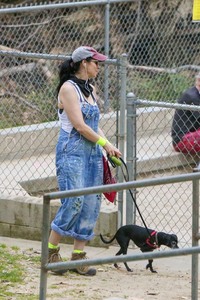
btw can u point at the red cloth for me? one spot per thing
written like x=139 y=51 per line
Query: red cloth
x=108 y=178
x=190 y=143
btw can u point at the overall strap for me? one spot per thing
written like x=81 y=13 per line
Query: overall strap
x=93 y=97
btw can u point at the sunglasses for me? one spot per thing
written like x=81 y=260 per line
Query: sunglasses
x=95 y=61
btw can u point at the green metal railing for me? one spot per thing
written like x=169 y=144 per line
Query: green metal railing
x=194 y=250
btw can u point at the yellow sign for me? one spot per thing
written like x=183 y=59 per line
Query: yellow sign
x=196 y=11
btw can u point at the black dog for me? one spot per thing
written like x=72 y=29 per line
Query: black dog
x=146 y=240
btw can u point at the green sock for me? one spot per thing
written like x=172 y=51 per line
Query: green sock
x=78 y=251
x=51 y=246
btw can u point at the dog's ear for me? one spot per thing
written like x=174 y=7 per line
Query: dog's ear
x=174 y=241
x=174 y=237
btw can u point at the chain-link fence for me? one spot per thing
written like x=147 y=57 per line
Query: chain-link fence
x=162 y=47
x=166 y=207
x=28 y=87
x=28 y=152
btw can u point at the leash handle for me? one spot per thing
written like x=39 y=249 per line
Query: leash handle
x=114 y=161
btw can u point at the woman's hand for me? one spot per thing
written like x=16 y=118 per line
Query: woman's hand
x=112 y=150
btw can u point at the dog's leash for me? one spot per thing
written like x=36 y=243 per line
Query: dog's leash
x=114 y=161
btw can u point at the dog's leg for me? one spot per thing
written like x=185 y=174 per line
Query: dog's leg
x=127 y=267
x=124 y=251
x=149 y=266
x=118 y=253
x=123 y=241
x=125 y=263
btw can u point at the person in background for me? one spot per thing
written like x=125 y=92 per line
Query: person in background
x=78 y=154
x=186 y=123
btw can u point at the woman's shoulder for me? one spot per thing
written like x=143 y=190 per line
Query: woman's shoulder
x=67 y=87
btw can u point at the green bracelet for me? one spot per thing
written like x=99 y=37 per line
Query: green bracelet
x=101 y=141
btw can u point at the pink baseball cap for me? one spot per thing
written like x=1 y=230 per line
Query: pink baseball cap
x=84 y=52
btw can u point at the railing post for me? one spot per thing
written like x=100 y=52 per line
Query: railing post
x=121 y=136
x=131 y=155
x=44 y=252
x=195 y=237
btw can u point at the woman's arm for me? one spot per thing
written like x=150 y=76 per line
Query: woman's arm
x=71 y=105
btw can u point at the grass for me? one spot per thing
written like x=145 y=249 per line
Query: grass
x=19 y=273
x=159 y=87
x=10 y=268
x=13 y=272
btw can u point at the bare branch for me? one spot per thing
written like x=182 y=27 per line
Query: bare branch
x=17 y=97
x=13 y=70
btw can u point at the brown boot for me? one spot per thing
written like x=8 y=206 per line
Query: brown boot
x=54 y=257
x=83 y=270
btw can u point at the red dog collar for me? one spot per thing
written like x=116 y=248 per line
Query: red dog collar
x=148 y=240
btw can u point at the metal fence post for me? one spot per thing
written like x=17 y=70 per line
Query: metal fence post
x=44 y=254
x=106 y=70
x=195 y=237
x=121 y=137
x=131 y=154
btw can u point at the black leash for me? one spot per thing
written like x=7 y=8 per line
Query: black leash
x=115 y=162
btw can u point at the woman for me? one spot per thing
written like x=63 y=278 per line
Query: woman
x=78 y=154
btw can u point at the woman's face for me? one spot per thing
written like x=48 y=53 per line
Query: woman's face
x=92 y=68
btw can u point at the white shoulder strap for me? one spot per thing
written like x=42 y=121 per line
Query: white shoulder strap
x=78 y=90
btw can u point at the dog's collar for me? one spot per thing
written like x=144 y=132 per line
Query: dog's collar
x=148 y=240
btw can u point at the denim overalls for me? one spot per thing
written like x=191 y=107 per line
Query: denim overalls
x=78 y=165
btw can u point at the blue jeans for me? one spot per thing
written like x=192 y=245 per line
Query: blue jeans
x=78 y=165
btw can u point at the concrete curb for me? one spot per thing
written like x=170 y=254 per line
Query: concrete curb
x=21 y=217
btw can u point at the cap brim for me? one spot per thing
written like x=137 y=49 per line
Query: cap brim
x=99 y=57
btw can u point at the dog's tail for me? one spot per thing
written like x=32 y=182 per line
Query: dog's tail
x=106 y=242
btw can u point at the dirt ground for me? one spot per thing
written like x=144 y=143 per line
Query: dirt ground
x=172 y=280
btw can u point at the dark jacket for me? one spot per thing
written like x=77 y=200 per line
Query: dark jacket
x=185 y=121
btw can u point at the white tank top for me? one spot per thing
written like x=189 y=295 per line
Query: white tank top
x=65 y=123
